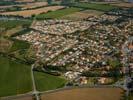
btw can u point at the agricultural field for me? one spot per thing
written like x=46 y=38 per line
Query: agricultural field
x=12 y=45
x=29 y=13
x=94 y=6
x=6 y=2
x=126 y=5
x=58 y=13
x=85 y=94
x=9 y=7
x=105 y=2
x=12 y=31
x=30 y=97
x=5 y=45
x=9 y=27
x=19 y=7
x=15 y=77
x=21 y=32
x=24 y=1
x=21 y=50
x=6 y=6
x=83 y=15
x=17 y=49
x=130 y=97
x=19 y=45
x=45 y=82
x=34 y=5
x=9 y=24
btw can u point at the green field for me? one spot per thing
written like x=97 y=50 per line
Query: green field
x=130 y=96
x=58 y=13
x=4 y=2
x=20 y=50
x=94 y=6
x=19 y=45
x=46 y=82
x=14 y=77
x=10 y=24
x=11 y=27
x=21 y=32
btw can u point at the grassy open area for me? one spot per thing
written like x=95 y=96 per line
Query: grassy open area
x=19 y=45
x=47 y=82
x=10 y=27
x=21 y=32
x=14 y=77
x=18 y=49
x=130 y=96
x=5 y=45
x=83 y=14
x=9 y=24
x=58 y=13
x=21 y=50
x=94 y=6
x=123 y=4
x=4 y=2
x=13 y=45
x=85 y=94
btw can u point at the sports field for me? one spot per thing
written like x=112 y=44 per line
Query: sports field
x=47 y=82
x=58 y=13
x=85 y=94
x=14 y=77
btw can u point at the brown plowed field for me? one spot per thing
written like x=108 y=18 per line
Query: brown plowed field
x=29 y=13
x=85 y=94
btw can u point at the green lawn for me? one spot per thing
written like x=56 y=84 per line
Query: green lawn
x=94 y=6
x=14 y=77
x=46 y=82
x=58 y=13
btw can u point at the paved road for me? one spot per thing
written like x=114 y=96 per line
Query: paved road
x=35 y=92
